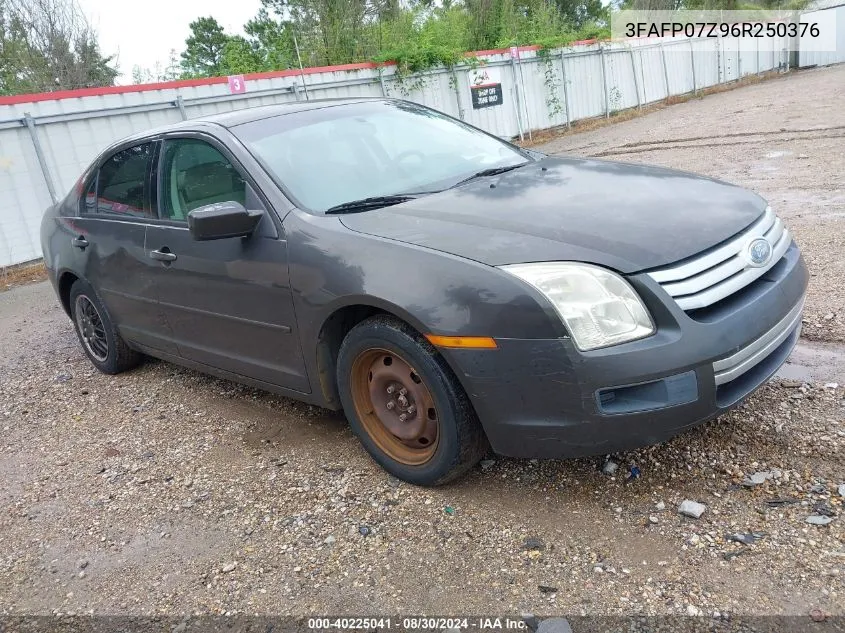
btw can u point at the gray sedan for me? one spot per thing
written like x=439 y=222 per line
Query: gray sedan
x=451 y=292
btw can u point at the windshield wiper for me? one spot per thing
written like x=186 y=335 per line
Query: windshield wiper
x=365 y=204
x=492 y=171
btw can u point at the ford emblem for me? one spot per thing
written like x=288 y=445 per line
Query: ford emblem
x=759 y=252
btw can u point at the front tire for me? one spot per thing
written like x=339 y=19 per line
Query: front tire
x=98 y=336
x=405 y=405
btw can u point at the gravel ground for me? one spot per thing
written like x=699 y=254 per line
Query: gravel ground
x=162 y=491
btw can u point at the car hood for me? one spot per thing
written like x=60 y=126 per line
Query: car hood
x=623 y=216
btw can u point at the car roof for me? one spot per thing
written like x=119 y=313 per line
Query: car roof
x=244 y=115
x=247 y=115
x=255 y=113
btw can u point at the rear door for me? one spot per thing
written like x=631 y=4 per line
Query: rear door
x=110 y=234
x=227 y=301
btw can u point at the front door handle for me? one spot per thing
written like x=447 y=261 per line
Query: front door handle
x=79 y=242
x=163 y=255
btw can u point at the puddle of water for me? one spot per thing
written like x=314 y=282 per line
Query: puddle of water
x=815 y=362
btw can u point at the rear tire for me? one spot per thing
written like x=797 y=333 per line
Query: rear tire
x=98 y=336
x=386 y=369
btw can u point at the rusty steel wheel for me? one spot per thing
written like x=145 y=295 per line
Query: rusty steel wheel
x=395 y=406
x=405 y=404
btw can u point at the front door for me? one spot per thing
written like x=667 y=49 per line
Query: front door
x=228 y=301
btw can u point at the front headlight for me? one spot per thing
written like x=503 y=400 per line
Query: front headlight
x=598 y=307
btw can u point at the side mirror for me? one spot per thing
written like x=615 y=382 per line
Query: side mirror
x=221 y=220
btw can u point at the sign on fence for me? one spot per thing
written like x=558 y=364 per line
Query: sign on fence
x=237 y=85
x=486 y=87
x=486 y=96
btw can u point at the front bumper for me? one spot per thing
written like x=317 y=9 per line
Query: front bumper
x=545 y=398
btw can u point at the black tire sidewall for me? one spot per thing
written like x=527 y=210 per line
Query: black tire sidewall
x=447 y=458
x=83 y=288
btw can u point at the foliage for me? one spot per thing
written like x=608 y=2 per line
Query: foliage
x=204 y=49
x=49 y=45
x=416 y=34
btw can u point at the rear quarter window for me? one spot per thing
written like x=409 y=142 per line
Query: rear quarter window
x=119 y=188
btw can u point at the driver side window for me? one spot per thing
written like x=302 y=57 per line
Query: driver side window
x=195 y=174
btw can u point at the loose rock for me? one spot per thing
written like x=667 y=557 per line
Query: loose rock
x=533 y=544
x=691 y=509
x=758 y=478
x=746 y=539
x=818 y=519
x=610 y=467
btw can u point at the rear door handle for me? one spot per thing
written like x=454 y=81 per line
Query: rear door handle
x=79 y=242
x=163 y=255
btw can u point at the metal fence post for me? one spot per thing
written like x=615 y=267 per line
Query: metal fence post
x=524 y=98
x=636 y=81
x=565 y=89
x=692 y=65
x=518 y=99
x=642 y=76
x=604 y=83
x=295 y=88
x=381 y=83
x=718 y=60
x=180 y=103
x=39 y=154
x=665 y=69
x=454 y=82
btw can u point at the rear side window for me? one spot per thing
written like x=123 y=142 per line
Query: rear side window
x=120 y=187
x=195 y=174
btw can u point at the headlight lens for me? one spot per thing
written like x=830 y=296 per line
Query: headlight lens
x=598 y=307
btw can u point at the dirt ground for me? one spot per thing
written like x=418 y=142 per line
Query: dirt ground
x=162 y=491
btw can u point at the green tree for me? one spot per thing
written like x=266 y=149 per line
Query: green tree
x=272 y=38
x=418 y=34
x=49 y=45
x=241 y=57
x=204 y=49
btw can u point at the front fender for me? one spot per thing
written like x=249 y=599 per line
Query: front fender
x=332 y=267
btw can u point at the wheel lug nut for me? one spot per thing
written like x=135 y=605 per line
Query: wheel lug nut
x=403 y=417
x=391 y=404
x=391 y=389
x=412 y=410
x=403 y=391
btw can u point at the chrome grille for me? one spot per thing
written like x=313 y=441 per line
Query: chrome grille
x=703 y=281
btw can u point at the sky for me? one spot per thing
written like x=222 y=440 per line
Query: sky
x=143 y=32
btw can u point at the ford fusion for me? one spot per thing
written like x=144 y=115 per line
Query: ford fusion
x=450 y=292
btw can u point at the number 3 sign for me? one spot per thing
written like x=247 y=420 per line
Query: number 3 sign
x=237 y=85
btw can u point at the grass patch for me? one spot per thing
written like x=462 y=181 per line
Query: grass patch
x=22 y=274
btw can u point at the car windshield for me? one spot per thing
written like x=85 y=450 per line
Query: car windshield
x=333 y=155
